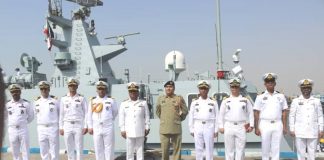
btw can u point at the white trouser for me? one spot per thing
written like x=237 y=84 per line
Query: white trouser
x=302 y=144
x=48 y=139
x=271 y=134
x=235 y=139
x=73 y=139
x=204 y=134
x=135 y=144
x=104 y=141
x=19 y=141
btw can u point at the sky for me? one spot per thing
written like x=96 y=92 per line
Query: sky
x=284 y=37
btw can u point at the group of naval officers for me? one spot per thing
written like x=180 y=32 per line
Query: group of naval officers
x=73 y=116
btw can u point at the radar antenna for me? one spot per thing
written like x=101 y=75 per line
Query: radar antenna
x=121 y=38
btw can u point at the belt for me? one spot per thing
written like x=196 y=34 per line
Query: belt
x=47 y=125
x=203 y=121
x=271 y=121
x=236 y=123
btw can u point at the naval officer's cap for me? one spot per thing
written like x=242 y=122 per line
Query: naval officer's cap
x=132 y=86
x=304 y=83
x=73 y=81
x=268 y=77
x=234 y=82
x=101 y=85
x=44 y=84
x=203 y=84
x=171 y=83
x=14 y=87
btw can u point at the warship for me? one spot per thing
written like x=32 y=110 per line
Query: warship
x=80 y=55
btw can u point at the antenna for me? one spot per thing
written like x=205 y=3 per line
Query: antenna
x=121 y=38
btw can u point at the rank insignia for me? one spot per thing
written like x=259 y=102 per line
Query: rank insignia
x=197 y=110
x=107 y=102
x=211 y=104
x=77 y=100
x=243 y=101
x=22 y=112
x=300 y=103
x=265 y=98
x=127 y=107
x=197 y=104
x=22 y=106
x=52 y=109
x=210 y=110
x=51 y=103
x=10 y=113
x=37 y=105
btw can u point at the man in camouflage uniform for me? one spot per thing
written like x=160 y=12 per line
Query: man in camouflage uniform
x=171 y=109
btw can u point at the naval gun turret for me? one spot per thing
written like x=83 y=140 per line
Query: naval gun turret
x=32 y=77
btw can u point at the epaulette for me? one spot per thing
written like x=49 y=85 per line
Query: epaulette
x=111 y=97
x=37 y=98
x=225 y=97
x=54 y=97
x=126 y=100
x=25 y=100
x=194 y=99
x=80 y=95
x=212 y=98
x=277 y=91
x=261 y=93
x=91 y=98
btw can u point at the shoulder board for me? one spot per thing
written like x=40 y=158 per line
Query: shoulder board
x=260 y=93
x=225 y=97
x=54 y=97
x=91 y=98
x=25 y=100
x=80 y=95
x=212 y=98
x=37 y=98
x=194 y=99
x=277 y=91
x=111 y=97
x=126 y=100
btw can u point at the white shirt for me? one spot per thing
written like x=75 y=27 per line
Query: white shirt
x=18 y=113
x=134 y=118
x=270 y=106
x=204 y=110
x=108 y=113
x=306 y=117
x=47 y=110
x=73 y=109
x=236 y=109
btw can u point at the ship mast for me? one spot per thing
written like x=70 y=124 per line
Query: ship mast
x=218 y=40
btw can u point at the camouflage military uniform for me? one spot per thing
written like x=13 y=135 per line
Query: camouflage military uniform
x=171 y=110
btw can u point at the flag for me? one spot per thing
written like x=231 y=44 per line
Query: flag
x=49 y=35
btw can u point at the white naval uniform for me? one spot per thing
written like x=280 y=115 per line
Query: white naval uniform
x=103 y=127
x=306 y=120
x=47 y=111
x=134 y=119
x=203 y=116
x=270 y=124
x=73 y=112
x=19 y=114
x=234 y=114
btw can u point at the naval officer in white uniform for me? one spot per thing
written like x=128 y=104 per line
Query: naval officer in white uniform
x=72 y=124
x=134 y=122
x=18 y=113
x=306 y=121
x=270 y=118
x=47 y=111
x=235 y=119
x=101 y=115
x=203 y=117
